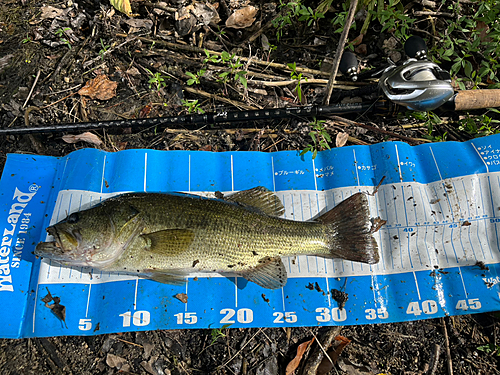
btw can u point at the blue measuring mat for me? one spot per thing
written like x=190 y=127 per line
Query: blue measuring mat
x=439 y=249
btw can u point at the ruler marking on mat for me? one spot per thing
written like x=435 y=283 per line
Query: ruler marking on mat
x=88 y=301
x=145 y=170
x=135 y=292
x=356 y=166
x=416 y=284
x=232 y=173
x=399 y=163
x=315 y=175
x=463 y=283
x=103 y=170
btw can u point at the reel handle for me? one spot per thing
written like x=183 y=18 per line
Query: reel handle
x=349 y=65
x=416 y=48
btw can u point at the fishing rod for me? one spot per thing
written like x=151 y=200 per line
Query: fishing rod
x=193 y=121
x=417 y=84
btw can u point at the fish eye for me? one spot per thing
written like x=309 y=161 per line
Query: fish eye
x=73 y=218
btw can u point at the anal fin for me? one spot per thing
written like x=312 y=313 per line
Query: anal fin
x=269 y=274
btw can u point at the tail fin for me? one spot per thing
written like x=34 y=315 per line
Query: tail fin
x=349 y=230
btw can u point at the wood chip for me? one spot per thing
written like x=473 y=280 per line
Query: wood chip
x=182 y=297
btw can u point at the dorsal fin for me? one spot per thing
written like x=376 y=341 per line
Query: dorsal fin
x=260 y=199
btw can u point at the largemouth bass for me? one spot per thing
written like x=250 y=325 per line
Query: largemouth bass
x=167 y=236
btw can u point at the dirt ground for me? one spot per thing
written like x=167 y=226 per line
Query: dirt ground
x=50 y=50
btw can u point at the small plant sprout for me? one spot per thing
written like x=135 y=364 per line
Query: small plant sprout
x=195 y=78
x=490 y=349
x=156 y=80
x=234 y=66
x=27 y=39
x=214 y=59
x=217 y=333
x=480 y=126
x=430 y=120
x=60 y=32
x=298 y=77
x=103 y=49
x=192 y=106
x=310 y=15
x=320 y=137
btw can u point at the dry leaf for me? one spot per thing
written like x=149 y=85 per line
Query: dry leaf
x=326 y=364
x=84 y=137
x=357 y=41
x=242 y=18
x=483 y=31
x=115 y=361
x=341 y=139
x=101 y=87
x=122 y=6
x=50 y=12
x=206 y=13
x=138 y=23
x=184 y=13
x=265 y=42
x=294 y=363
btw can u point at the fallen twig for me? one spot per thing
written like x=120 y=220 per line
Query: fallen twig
x=101 y=56
x=202 y=50
x=434 y=360
x=340 y=50
x=315 y=359
x=32 y=88
x=375 y=129
x=447 y=347
x=219 y=98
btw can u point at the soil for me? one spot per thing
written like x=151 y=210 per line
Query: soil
x=56 y=51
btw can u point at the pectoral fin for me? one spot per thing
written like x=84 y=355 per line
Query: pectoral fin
x=269 y=274
x=169 y=242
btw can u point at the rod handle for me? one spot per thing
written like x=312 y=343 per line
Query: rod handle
x=477 y=99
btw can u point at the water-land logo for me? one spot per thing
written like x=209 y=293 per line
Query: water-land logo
x=10 y=256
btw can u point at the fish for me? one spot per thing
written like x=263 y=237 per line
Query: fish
x=165 y=237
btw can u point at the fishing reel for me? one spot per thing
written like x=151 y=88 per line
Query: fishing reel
x=417 y=84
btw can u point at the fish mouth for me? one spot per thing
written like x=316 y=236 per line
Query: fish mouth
x=55 y=249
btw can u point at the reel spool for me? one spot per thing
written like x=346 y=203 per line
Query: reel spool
x=417 y=85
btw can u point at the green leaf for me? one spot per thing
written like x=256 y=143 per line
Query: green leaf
x=468 y=69
x=243 y=81
x=122 y=6
x=456 y=67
